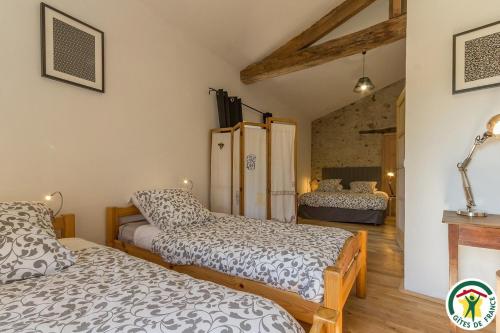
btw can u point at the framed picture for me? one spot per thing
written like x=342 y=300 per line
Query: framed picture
x=72 y=51
x=476 y=58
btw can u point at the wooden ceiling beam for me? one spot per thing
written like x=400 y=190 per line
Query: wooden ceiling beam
x=380 y=34
x=397 y=8
x=321 y=28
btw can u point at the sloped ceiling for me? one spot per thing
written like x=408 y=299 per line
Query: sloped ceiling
x=242 y=32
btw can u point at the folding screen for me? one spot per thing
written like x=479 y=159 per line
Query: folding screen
x=282 y=170
x=253 y=170
x=250 y=170
x=220 y=170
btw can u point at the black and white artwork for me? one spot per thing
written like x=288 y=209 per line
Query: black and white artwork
x=72 y=51
x=476 y=58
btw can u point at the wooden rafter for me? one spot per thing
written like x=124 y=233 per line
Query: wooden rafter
x=380 y=34
x=397 y=8
x=321 y=28
x=298 y=54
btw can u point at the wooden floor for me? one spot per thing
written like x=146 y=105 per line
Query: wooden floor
x=387 y=308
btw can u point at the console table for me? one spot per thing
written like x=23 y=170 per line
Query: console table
x=481 y=232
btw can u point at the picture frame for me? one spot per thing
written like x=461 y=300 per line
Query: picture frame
x=475 y=64
x=72 y=50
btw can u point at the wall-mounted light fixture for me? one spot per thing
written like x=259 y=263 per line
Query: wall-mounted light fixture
x=492 y=131
x=61 y=201
x=187 y=184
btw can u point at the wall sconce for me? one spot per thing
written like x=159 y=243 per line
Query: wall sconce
x=390 y=177
x=492 y=130
x=187 y=184
x=51 y=196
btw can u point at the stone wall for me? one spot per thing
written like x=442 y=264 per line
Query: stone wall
x=336 y=141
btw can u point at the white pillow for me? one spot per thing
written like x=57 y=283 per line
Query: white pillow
x=330 y=185
x=27 y=250
x=363 y=187
x=35 y=212
x=169 y=208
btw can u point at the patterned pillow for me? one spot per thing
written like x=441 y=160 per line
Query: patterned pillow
x=35 y=212
x=363 y=187
x=330 y=185
x=169 y=208
x=27 y=250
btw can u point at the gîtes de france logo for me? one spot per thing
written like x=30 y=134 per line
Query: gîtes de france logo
x=471 y=304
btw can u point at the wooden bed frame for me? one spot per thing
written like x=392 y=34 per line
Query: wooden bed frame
x=64 y=226
x=349 y=270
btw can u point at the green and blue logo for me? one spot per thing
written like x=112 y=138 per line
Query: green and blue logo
x=471 y=304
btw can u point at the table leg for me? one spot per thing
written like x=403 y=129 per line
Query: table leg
x=453 y=231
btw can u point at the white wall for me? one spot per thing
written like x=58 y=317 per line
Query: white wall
x=150 y=128
x=440 y=129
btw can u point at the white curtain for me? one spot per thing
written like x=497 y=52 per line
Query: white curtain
x=283 y=187
x=236 y=172
x=255 y=170
x=220 y=173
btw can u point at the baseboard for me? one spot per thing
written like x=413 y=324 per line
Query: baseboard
x=421 y=296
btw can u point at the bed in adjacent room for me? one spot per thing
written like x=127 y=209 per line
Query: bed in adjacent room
x=346 y=195
x=300 y=267
x=72 y=285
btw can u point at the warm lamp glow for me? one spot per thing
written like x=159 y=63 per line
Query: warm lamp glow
x=493 y=126
x=390 y=174
x=61 y=202
x=314 y=184
x=187 y=184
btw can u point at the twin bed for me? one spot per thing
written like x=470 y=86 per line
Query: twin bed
x=106 y=290
x=302 y=268
x=345 y=205
x=303 y=272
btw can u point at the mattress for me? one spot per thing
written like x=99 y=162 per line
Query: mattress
x=108 y=290
x=346 y=200
x=286 y=256
x=140 y=234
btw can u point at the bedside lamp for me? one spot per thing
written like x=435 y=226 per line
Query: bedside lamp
x=492 y=131
x=51 y=196
x=314 y=184
x=390 y=177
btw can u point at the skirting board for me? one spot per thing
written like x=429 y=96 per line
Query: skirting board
x=421 y=296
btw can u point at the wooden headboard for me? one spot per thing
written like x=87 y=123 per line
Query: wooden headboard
x=352 y=174
x=113 y=215
x=64 y=226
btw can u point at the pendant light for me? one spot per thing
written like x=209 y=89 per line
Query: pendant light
x=364 y=83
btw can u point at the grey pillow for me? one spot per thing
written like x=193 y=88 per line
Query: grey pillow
x=27 y=250
x=169 y=208
x=330 y=185
x=36 y=213
x=363 y=187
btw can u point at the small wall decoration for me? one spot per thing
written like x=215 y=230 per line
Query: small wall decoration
x=72 y=51
x=476 y=58
x=251 y=161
